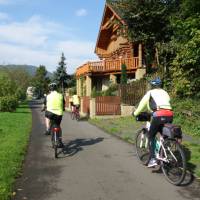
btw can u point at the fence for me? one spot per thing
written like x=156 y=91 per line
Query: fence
x=132 y=93
x=86 y=104
x=67 y=101
x=108 y=105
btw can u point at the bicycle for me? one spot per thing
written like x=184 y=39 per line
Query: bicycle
x=56 y=132
x=169 y=153
x=75 y=113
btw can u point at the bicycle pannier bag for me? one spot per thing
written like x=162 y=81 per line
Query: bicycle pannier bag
x=172 y=131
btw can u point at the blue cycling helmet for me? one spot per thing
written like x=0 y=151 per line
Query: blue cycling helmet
x=156 y=82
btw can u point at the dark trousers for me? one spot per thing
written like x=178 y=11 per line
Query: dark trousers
x=55 y=119
x=156 y=126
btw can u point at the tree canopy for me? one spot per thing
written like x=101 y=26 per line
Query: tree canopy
x=40 y=80
x=61 y=76
x=170 y=30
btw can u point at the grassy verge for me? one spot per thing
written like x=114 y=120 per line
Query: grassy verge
x=14 y=133
x=187 y=114
x=123 y=127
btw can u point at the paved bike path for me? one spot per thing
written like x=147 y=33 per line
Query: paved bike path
x=95 y=166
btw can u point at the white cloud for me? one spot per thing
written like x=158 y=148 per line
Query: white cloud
x=81 y=12
x=4 y=1
x=40 y=42
x=4 y=16
x=77 y=53
x=12 y=54
x=33 y=32
x=76 y=48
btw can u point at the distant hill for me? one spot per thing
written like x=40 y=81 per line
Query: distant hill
x=29 y=68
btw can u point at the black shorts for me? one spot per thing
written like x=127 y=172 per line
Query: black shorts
x=53 y=117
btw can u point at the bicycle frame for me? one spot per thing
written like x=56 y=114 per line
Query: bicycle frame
x=161 y=140
x=164 y=150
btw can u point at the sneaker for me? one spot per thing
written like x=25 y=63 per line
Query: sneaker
x=152 y=163
x=60 y=145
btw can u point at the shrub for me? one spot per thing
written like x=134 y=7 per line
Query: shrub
x=8 y=103
x=20 y=94
x=95 y=93
x=111 y=91
x=72 y=91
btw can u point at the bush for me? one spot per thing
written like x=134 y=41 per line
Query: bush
x=111 y=91
x=72 y=91
x=187 y=114
x=95 y=93
x=20 y=94
x=8 y=103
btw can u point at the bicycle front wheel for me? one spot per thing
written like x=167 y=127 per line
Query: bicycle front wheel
x=142 y=146
x=174 y=163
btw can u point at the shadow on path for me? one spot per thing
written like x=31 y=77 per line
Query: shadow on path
x=74 y=146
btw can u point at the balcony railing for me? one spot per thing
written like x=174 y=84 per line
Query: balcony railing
x=108 y=66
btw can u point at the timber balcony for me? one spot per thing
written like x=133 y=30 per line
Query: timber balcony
x=108 y=66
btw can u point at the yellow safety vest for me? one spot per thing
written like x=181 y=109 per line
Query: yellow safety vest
x=76 y=100
x=55 y=103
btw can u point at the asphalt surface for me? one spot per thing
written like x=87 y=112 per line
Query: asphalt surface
x=94 y=166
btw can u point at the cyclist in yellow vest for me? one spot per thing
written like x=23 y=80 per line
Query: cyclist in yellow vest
x=71 y=103
x=76 y=101
x=55 y=105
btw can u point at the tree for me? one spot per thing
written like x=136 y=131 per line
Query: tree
x=61 y=76
x=123 y=74
x=40 y=80
x=21 y=78
x=147 y=22
x=186 y=40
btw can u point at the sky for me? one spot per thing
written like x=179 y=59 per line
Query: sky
x=36 y=32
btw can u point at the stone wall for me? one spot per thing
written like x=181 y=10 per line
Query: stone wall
x=127 y=110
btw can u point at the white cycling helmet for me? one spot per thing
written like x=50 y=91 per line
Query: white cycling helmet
x=52 y=86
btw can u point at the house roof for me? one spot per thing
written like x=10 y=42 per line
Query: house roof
x=113 y=13
x=116 y=8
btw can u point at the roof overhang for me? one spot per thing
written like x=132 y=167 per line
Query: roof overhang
x=107 y=27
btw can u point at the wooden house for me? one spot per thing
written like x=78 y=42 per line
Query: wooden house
x=113 y=50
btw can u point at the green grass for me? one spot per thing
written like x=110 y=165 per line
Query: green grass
x=123 y=127
x=14 y=133
x=192 y=151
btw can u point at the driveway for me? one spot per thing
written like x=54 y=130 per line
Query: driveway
x=95 y=166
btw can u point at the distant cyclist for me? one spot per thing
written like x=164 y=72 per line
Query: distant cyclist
x=55 y=105
x=76 y=102
x=157 y=101
x=71 y=103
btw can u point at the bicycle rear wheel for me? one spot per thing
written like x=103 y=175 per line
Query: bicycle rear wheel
x=174 y=168
x=72 y=115
x=55 y=145
x=77 y=116
x=142 y=146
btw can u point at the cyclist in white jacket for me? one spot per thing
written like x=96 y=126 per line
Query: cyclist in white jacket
x=157 y=101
